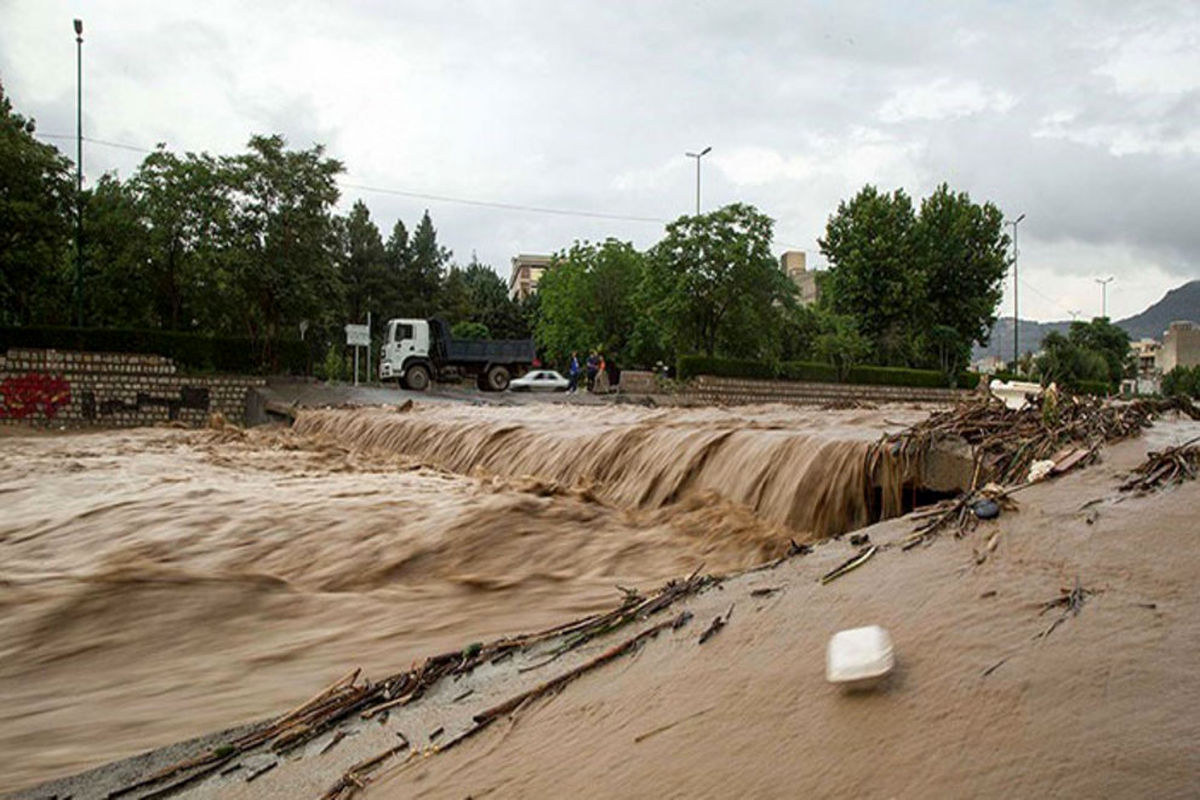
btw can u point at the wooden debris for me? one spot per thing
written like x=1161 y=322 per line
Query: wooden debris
x=1071 y=601
x=994 y=667
x=485 y=718
x=717 y=624
x=1167 y=468
x=253 y=776
x=337 y=737
x=356 y=778
x=348 y=695
x=860 y=558
x=798 y=549
x=1005 y=443
x=766 y=591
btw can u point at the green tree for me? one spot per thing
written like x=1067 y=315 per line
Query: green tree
x=1110 y=341
x=185 y=206
x=712 y=286
x=287 y=271
x=1068 y=363
x=470 y=330
x=911 y=278
x=453 y=299
x=962 y=257
x=364 y=265
x=36 y=215
x=1182 y=382
x=873 y=275
x=424 y=273
x=839 y=343
x=587 y=299
x=490 y=303
x=119 y=290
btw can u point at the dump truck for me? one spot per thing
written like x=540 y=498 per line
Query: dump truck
x=418 y=351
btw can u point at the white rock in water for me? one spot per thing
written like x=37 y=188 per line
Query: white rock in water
x=859 y=658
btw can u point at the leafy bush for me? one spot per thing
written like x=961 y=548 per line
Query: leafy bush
x=691 y=366
x=470 y=330
x=188 y=350
x=1182 y=381
x=1098 y=388
x=807 y=371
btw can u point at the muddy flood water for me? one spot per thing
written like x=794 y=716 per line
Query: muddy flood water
x=158 y=584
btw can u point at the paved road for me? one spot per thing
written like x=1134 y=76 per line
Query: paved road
x=313 y=393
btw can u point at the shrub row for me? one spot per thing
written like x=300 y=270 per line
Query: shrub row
x=691 y=366
x=1098 y=388
x=188 y=350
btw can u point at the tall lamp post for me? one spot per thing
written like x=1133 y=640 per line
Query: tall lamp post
x=698 y=156
x=1016 y=316
x=79 y=172
x=1104 y=282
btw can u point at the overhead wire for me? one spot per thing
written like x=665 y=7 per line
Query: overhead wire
x=566 y=212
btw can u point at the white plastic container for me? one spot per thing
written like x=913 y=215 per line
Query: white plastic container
x=1014 y=393
x=859 y=658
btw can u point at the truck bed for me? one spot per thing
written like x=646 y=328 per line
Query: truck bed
x=482 y=351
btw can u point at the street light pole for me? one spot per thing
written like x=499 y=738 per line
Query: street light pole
x=1016 y=315
x=79 y=173
x=698 y=156
x=1104 y=295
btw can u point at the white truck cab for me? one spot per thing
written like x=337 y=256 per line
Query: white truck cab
x=419 y=351
x=407 y=339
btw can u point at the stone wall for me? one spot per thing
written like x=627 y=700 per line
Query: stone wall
x=730 y=391
x=79 y=389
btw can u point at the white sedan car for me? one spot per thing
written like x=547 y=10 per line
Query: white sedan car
x=539 y=380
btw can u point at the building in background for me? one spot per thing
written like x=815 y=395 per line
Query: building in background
x=1146 y=352
x=1180 y=347
x=527 y=270
x=795 y=264
x=989 y=365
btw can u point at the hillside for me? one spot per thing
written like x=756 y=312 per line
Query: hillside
x=1181 y=303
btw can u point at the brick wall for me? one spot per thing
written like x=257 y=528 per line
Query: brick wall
x=709 y=389
x=79 y=389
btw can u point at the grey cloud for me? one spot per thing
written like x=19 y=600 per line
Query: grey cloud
x=591 y=106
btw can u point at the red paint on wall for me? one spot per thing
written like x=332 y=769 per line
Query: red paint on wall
x=23 y=396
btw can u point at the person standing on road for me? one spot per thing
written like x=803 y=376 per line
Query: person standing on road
x=601 y=382
x=592 y=362
x=573 y=373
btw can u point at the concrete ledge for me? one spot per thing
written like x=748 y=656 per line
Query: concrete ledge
x=710 y=389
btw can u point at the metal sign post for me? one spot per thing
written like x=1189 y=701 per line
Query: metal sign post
x=358 y=336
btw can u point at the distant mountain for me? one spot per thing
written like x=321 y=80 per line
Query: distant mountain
x=1182 y=303
x=1030 y=334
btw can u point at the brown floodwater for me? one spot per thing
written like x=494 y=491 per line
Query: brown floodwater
x=158 y=584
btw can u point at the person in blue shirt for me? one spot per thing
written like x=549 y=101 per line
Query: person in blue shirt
x=573 y=373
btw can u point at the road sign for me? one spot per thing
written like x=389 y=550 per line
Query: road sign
x=358 y=335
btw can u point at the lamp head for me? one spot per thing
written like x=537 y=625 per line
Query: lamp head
x=79 y=27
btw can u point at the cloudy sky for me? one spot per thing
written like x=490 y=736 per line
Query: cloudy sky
x=1085 y=116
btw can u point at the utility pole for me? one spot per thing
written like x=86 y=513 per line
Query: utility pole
x=1104 y=295
x=1016 y=315
x=698 y=156
x=79 y=172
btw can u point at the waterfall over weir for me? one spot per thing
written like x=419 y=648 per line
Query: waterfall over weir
x=804 y=470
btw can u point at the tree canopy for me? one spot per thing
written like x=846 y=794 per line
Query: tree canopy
x=924 y=284
x=36 y=216
x=711 y=285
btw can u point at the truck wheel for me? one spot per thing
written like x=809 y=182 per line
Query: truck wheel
x=497 y=378
x=417 y=378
